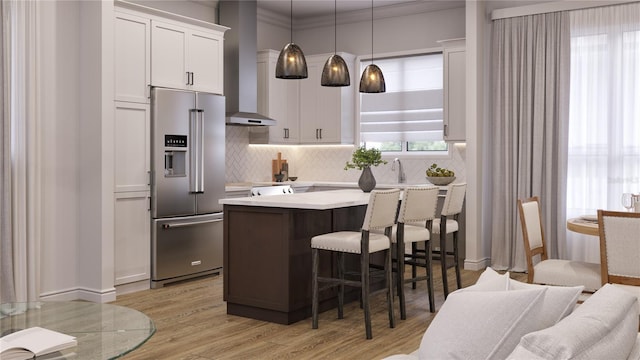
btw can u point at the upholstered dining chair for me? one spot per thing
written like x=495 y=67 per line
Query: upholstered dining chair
x=415 y=217
x=380 y=214
x=448 y=224
x=620 y=249
x=551 y=271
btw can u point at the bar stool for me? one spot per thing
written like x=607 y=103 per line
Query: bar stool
x=380 y=214
x=448 y=224
x=415 y=218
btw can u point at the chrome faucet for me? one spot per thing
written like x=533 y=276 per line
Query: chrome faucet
x=401 y=177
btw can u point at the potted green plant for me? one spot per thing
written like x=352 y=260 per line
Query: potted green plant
x=363 y=159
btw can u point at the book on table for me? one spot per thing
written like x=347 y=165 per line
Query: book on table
x=33 y=341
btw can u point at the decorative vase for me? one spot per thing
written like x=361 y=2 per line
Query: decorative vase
x=367 y=182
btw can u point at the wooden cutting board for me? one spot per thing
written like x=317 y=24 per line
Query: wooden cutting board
x=275 y=168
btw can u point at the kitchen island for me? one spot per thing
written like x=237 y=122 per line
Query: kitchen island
x=267 y=252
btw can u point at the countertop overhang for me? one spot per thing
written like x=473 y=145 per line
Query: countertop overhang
x=320 y=200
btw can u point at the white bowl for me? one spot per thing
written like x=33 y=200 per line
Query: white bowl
x=441 y=180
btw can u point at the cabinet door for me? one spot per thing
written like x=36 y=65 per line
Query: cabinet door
x=132 y=147
x=278 y=99
x=132 y=237
x=205 y=61
x=310 y=111
x=168 y=54
x=132 y=50
x=321 y=106
x=454 y=94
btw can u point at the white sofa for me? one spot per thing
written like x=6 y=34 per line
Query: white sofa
x=500 y=318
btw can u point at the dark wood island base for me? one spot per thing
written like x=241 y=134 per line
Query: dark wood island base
x=267 y=259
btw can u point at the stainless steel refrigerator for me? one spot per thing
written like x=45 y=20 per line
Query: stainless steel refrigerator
x=188 y=174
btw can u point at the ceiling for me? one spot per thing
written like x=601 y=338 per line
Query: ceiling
x=314 y=8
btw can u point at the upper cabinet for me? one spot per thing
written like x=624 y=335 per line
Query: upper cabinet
x=327 y=114
x=132 y=50
x=305 y=111
x=186 y=58
x=279 y=100
x=454 y=90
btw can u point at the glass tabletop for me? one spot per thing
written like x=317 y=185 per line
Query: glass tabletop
x=103 y=331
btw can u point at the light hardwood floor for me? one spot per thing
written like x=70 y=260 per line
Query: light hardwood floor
x=192 y=323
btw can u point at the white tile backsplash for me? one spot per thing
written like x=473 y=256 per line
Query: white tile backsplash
x=252 y=163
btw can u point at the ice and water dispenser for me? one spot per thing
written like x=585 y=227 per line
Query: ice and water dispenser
x=175 y=155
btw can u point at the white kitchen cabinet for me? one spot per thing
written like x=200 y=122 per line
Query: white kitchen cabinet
x=132 y=47
x=186 y=57
x=132 y=146
x=278 y=99
x=454 y=90
x=132 y=237
x=327 y=114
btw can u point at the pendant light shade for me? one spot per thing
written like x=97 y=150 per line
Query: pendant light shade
x=372 y=80
x=335 y=71
x=291 y=62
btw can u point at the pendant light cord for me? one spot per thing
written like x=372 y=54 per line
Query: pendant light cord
x=371 y=31
x=291 y=13
x=335 y=26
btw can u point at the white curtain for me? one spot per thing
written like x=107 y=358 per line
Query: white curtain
x=19 y=217
x=530 y=80
x=604 y=128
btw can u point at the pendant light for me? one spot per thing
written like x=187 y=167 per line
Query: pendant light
x=335 y=71
x=372 y=80
x=291 y=62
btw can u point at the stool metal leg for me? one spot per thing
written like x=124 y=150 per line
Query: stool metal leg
x=400 y=272
x=455 y=259
x=443 y=254
x=389 y=283
x=364 y=280
x=314 y=288
x=341 y=286
x=427 y=249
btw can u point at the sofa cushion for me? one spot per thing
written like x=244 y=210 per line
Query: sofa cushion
x=481 y=324
x=558 y=301
x=490 y=280
x=605 y=326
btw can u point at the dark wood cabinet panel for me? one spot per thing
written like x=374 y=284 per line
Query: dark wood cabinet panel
x=267 y=259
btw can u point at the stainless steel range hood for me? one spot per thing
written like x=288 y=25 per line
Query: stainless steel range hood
x=240 y=63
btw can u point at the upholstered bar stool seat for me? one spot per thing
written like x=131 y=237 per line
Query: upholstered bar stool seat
x=448 y=224
x=381 y=214
x=349 y=242
x=416 y=213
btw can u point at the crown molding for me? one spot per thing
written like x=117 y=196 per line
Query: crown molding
x=349 y=17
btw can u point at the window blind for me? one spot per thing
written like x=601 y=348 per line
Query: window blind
x=412 y=107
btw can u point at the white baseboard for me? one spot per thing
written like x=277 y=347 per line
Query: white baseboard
x=93 y=295
x=476 y=265
x=133 y=287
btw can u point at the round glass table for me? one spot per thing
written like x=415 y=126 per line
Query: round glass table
x=103 y=331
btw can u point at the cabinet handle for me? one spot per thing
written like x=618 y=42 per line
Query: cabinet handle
x=316 y=134
x=188 y=78
x=320 y=133
x=192 y=78
x=446 y=130
x=286 y=133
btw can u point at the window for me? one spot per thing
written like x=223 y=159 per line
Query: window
x=604 y=115
x=408 y=117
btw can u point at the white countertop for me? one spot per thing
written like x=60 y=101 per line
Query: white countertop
x=319 y=200
x=246 y=186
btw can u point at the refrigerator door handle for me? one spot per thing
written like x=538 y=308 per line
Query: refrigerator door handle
x=179 y=225
x=196 y=133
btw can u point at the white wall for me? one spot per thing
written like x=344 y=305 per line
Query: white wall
x=60 y=144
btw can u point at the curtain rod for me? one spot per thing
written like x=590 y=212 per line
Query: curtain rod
x=553 y=6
